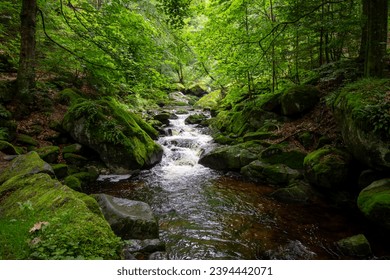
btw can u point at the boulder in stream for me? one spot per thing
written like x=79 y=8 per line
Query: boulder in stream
x=374 y=202
x=129 y=219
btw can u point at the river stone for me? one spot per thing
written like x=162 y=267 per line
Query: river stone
x=232 y=157
x=145 y=246
x=26 y=164
x=298 y=192
x=129 y=219
x=355 y=246
x=374 y=202
x=276 y=174
x=328 y=168
x=179 y=97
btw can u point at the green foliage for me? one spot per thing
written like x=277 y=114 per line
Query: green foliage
x=4 y=134
x=369 y=102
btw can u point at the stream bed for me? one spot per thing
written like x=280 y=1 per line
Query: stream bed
x=205 y=214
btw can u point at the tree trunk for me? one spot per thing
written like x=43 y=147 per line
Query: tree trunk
x=376 y=41
x=26 y=71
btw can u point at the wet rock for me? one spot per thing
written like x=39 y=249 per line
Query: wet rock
x=298 y=192
x=163 y=118
x=27 y=164
x=328 y=168
x=374 y=202
x=232 y=157
x=355 y=246
x=293 y=250
x=159 y=256
x=196 y=119
x=144 y=246
x=129 y=219
x=284 y=154
x=276 y=174
x=60 y=170
x=299 y=99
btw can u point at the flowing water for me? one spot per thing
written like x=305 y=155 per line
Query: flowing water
x=204 y=214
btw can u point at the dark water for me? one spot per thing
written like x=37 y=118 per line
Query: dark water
x=204 y=214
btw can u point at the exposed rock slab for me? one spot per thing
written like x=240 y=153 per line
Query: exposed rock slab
x=129 y=219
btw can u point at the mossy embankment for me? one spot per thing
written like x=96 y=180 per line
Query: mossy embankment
x=43 y=219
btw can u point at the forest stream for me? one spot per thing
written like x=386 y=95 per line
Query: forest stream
x=204 y=214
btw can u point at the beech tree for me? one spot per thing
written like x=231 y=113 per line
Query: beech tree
x=374 y=36
x=26 y=70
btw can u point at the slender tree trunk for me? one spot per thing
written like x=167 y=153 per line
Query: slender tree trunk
x=375 y=43
x=274 y=77
x=26 y=71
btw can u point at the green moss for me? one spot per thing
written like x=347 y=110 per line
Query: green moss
x=26 y=164
x=68 y=96
x=298 y=99
x=73 y=230
x=60 y=170
x=368 y=104
x=279 y=154
x=73 y=183
x=26 y=140
x=49 y=153
x=72 y=149
x=109 y=123
x=8 y=148
x=374 y=202
x=211 y=100
x=75 y=159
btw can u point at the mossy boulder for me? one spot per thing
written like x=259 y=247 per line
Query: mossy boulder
x=49 y=153
x=75 y=159
x=163 y=117
x=275 y=174
x=74 y=227
x=60 y=170
x=72 y=149
x=27 y=164
x=355 y=246
x=73 y=182
x=7 y=90
x=197 y=90
x=128 y=218
x=211 y=100
x=114 y=133
x=328 y=168
x=299 y=99
x=374 y=202
x=26 y=140
x=283 y=154
x=196 y=119
x=258 y=135
x=8 y=148
x=362 y=112
x=297 y=192
x=232 y=157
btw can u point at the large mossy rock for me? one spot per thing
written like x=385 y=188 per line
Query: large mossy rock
x=299 y=99
x=58 y=223
x=27 y=164
x=121 y=138
x=232 y=157
x=328 y=168
x=275 y=174
x=129 y=219
x=49 y=153
x=355 y=246
x=362 y=111
x=374 y=202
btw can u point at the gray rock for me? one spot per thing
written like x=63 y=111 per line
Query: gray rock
x=298 y=192
x=232 y=157
x=145 y=246
x=129 y=219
